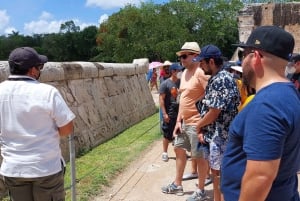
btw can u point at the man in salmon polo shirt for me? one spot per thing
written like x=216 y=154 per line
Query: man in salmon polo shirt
x=192 y=87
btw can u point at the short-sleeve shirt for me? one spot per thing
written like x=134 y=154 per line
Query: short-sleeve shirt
x=267 y=129
x=191 y=90
x=30 y=115
x=170 y=89
x=221 y=93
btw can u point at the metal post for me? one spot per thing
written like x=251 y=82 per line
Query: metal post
x=160 y=119
x=72 y=166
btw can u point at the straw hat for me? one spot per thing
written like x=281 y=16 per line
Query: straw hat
x=189 y=47
x=167 y=63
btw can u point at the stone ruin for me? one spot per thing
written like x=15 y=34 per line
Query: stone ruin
x=284 y=15
x=106 y=98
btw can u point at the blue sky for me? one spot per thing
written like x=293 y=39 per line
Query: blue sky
x=45 y=16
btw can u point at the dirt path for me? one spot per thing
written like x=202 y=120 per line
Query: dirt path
x=143 y=178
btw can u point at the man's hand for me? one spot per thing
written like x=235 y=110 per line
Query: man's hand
x=177 y=129
x=166 y=118
x=201 y=137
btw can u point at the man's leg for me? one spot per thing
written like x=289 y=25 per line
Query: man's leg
x=216 y=185
x=194 y=169
x=165 y=156
x=176 y=186
x=202 y=172
x=181 y=145
x=180 y=165
x=217 y=147
x=201 y=157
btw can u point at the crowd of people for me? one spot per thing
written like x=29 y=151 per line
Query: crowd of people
x=239 y=123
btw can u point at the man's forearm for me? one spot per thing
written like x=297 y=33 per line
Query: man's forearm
x=208 y=118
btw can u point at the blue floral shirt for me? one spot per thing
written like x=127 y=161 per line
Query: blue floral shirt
x=222 y=93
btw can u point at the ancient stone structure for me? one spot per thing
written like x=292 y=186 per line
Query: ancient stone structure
x=285 y=15
x=107 y=98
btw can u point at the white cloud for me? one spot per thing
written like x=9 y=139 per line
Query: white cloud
x=108 y=4
x=103 y=18
x=82 y=25
x=51 y=26
x=42 y=26
x=4 y=19
x=46 y=16
x=9 y=30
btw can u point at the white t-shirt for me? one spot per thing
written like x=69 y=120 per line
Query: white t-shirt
x=30 y=114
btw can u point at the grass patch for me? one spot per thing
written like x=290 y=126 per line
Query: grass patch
x=98 y=166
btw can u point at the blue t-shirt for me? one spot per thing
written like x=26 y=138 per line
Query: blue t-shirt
x=268 y=128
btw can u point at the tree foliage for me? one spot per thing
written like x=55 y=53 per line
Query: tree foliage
x=154 y=31
x=158 y=31
x=70 y=44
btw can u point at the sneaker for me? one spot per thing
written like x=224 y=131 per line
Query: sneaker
x=207 y=182
x=190 y=176
x=165 y=157
x=172 y=189
x=198 y=195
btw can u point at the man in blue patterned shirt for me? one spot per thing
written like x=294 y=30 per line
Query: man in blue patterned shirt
x=217 y=109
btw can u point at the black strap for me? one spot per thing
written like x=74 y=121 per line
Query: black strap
x=20 y=79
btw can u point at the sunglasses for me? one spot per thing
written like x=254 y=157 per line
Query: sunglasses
x=246 y=52
x=184 y=56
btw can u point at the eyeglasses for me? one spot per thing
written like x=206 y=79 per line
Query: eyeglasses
x=184 y=56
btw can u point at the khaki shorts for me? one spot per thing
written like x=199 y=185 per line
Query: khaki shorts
x=188 y=140
x=49 y=188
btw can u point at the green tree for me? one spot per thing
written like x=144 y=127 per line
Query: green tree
x=69 y=26
x=158 y=31
x=86 y=43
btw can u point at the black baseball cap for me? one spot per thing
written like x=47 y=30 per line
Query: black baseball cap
x=271 y=39
x=26 y=57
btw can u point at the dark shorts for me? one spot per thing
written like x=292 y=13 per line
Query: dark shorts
x=49 y=188
x=168 y=129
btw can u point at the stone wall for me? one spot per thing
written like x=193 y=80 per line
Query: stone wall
x=107 y=98
x=285 y=15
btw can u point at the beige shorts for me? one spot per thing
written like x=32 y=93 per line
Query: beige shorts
x=188 y=140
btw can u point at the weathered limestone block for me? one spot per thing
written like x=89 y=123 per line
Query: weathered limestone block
x=285 y=15
x=4 y=70
x=107 y=98
x=52 y=71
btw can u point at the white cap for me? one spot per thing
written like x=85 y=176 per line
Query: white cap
x=237 y=68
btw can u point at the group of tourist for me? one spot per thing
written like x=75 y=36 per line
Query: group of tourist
x=252 y=154
x=253 y=151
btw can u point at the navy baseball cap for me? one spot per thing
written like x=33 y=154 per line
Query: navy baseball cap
x=271 y=39
x=176 y=66
x=26 y=57
x=208 y=51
